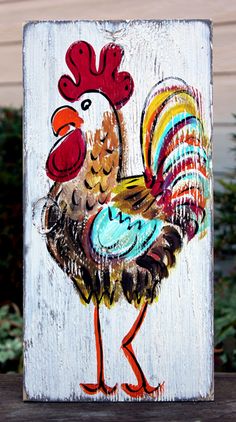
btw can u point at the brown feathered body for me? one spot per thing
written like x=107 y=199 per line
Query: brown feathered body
x=72 y=206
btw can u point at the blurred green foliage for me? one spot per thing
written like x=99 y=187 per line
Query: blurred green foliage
x=225 y=218
x=11 y=325
x=10 y=240
x=11 y=254
x=225 y=323
x=11 y=205
x=225 y=273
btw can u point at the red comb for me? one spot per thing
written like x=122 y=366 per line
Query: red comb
x=81 y=60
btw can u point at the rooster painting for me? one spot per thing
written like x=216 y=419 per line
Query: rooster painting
x=117 y=237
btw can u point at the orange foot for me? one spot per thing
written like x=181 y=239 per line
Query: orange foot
x=141 y=389
x=100 y=387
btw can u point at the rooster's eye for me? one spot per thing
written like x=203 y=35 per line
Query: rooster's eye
x=86 y=104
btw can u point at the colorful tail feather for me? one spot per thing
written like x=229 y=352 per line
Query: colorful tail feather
x=175 y=153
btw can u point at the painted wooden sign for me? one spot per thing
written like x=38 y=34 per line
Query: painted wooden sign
x=118 y=294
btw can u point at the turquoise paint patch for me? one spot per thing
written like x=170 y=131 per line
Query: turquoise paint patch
x=115 y=234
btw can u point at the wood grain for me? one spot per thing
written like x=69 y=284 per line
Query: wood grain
x=223 y=159
x=11 y=63
x=224 y=41
x=11 y=95
x=12 y=409
x=224 y=99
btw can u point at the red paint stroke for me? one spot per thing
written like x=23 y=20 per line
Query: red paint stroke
x=81 y=60
x=143 y=387
x=66 y=158
x=100 y=386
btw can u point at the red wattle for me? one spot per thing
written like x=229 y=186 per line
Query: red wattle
x=66 y=157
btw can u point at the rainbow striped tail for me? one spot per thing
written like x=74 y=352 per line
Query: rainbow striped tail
x=175 y=154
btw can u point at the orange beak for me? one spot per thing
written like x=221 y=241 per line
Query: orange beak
x=63 y=118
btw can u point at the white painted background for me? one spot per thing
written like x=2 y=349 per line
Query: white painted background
x=175 y=342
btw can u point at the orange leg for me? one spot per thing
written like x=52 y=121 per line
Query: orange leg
x=100 y=386
x=143 y=386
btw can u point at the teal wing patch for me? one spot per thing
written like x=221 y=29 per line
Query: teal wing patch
x=117 y=235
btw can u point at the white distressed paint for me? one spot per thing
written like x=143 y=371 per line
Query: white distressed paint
x=174 y=343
